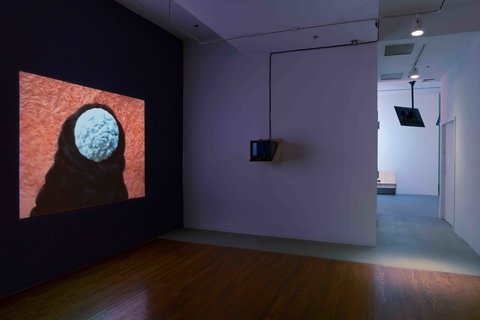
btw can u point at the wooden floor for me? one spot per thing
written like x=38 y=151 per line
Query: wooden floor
x=176 y=280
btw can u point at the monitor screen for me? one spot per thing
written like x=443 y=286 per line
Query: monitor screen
x=409 y=117
x=262 y=150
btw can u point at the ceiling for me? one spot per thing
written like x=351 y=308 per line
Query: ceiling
x=261 y=26
x=234 y=18
x=439 y=52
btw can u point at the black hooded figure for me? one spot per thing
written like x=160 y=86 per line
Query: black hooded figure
x=75 y=181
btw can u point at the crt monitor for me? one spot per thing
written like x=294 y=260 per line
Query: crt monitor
x=262 y=150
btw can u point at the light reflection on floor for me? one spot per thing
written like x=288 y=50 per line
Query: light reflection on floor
x=409 y=235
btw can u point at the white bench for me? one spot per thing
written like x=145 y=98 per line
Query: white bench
x=386 y=182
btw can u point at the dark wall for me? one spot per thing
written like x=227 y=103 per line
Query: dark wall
x=99 y=44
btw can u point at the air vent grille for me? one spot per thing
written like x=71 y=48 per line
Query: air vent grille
x=399 y=49
x=391 y=76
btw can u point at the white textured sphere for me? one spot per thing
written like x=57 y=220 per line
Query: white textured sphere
x=96 y=134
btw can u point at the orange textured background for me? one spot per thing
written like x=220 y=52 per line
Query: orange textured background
x=45 y=104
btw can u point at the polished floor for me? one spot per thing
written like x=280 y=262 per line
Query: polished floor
x=166 y=279
x=409 y=235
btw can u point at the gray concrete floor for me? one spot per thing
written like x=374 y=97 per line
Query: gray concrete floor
x=409 y=235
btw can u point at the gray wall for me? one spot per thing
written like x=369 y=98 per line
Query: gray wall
x=461 y=99
x=323 y=107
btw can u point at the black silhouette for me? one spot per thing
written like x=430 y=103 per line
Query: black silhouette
x=74 y=181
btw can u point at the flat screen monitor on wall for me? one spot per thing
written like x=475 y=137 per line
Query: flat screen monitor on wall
x=79 y=146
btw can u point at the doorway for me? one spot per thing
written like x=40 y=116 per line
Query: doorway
x=447 y=164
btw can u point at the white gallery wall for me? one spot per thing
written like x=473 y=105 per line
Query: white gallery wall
x=409 y=151
x=323 y=107
x=461 y=99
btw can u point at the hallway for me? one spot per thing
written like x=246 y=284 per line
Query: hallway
x=409 y=228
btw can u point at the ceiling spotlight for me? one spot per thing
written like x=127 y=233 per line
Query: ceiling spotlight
x=414 y=73
x=417 y=29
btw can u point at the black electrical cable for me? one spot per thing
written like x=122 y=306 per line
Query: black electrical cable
x=412 y=83
x=270 y=98
x=352 y=43
x=441 y=6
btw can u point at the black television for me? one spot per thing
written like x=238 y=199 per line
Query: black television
x=409 y=117
x=262 y=150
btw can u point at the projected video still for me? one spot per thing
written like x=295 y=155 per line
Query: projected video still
x=79 y=146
